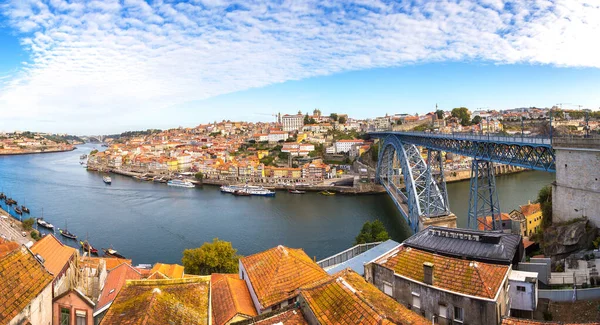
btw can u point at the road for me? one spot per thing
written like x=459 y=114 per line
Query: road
x=10 y=228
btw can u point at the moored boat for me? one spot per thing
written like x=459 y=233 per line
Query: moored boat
x=25 y=209
x=2 y=196
x=240 y=193
x=47 y=225
x=296 y=192
x=107 y=180
x=180 y=183
x=88 y=247
x=112 y=253
x=18 y=211
x=327 y=193
x=67 y=234
x=230 y=188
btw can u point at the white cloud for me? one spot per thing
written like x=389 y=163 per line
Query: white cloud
x=94 y=58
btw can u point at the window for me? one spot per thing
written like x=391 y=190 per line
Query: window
x=387 y=289
x=65 y=316
x=291 y=301
x=80 y=317
x=416 y=301
x=521 y=288
x=458 y=314
x=443 y=311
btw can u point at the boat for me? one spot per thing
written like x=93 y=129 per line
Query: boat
x=18 y=211
x=67 y=234
x=47 y=225
x=180 y=183
x=231 y=188
x=87 y=247
x=240 y=193
x=25 y=209
x=2 y=196
x=112 y=253
x=327 y=193
x=296 y=192
x=107 y=180
x=83 y=156
x=10 y=201
x=258 y=191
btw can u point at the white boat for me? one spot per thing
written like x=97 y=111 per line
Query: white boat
x=231 y=188
x=259 y=191
x=107 y=179
x=180 y=183
x=45 y=224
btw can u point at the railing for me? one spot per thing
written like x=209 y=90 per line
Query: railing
x=346 y=255
x=482 y=137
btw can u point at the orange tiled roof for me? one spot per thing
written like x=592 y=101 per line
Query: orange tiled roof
x=114 y=282
x=348 y=299
x=112 y=262
x=488 y=221
x=173 y=271
x=286 y=317
x=453 y=274
x=230 y=296
x=22 y=278
x=7 y=246
x=521 y=321
x=56 y=255
x=159 y=302
x=530 y=209
x=276 y=273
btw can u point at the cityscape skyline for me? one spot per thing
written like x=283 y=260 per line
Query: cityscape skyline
x=135 y=65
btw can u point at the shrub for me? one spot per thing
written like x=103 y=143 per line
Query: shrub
x=28 y=224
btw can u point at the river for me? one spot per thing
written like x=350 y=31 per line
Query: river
x=151 y=222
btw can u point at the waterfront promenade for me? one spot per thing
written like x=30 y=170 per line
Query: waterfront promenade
x=11 y=229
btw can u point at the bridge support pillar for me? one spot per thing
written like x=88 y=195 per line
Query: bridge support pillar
x=484 y=207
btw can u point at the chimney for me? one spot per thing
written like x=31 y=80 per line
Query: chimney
x=428 y=273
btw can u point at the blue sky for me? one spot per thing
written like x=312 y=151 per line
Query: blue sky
x=108 y=66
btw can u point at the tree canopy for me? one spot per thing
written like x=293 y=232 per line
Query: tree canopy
x=216 y=257
x=476 y=120
x=333 y=116
x=440 y=114
x=545 y=201
x=372 y=232
x=342 y=120
x=462 y=114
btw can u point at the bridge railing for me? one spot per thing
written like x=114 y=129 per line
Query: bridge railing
x=534 y=139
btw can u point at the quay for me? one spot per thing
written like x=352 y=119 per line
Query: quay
x=12 y=229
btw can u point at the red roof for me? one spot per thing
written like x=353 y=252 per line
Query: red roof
x=114 y=282
x=230 y=297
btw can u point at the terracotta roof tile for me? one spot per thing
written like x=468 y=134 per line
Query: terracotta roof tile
x=111 y=262
x=22 y=278
x=56 y=254
x=347 y=298
x=521 y=321
x=276 y=273
x=285 y=317
x=7 y=246
x=453 y=274
x=172 y=271
x=230 y=297
x=530 y=209
x=159 y=302
x=114 y=282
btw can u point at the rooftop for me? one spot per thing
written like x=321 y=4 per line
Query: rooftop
x=158 y=302
x=7 y=246
x=452 y=274
x=347 y=298
x=172 y=271
x=275 y=274
x=485 y=246
x=114 y=282
x=22 y=278
x=230 y=296
x=55 y=254
x=286 y=316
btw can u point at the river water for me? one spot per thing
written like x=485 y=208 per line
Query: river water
x=151 y=222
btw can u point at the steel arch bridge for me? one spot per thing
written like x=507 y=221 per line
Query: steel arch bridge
x=418 y=188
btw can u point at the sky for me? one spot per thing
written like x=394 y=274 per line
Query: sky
x=98 y=67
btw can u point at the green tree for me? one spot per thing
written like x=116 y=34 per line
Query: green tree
x=199 y=176
x=476 y=120
x=28 y=224
x=283 y=155
x=545 y=201
x=93 y=152
x=342 y=120
x=216 y=257
x=372 y=232
x=333 y=116
x=440 y=114
x=462 y=114
x=306 y=119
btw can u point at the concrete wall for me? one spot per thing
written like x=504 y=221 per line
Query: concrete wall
x=39 y=310
x=567 y=295
x=74 y=303
x=523 y=300
x=577 y=184
x=539 y=265
x=475 y=311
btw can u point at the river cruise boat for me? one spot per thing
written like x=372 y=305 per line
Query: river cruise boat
x=112 y=253
x=107 y=180
x=180 y=183
x=231 y=188
x=258 y=191
x=45 y=224
x=241 y=193
x=87 y=247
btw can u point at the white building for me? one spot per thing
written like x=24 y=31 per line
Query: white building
x=292 y=122
x=261 y=137
x=276 y=136
x=346 y=145
x=298 y=149
x=523 y=293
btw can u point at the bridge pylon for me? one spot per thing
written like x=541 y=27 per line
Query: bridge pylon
x=484 y=206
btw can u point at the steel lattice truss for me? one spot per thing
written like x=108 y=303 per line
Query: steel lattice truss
x=523 y=152
x=437 y=182
x=484 y=207
x=416 y=193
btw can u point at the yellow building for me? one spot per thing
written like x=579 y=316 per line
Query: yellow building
x=301 y=136
x=172 y=165
x=262 y=153
x=533 y=218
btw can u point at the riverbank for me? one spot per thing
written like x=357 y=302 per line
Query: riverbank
x=12 y=229
x=465 y=174
x=5 y=152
